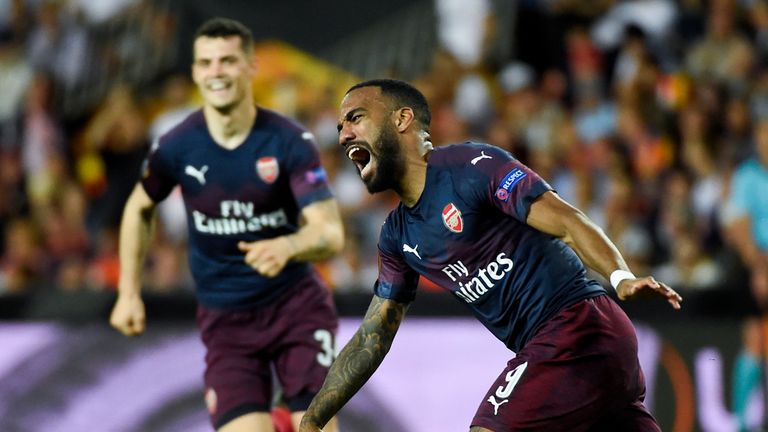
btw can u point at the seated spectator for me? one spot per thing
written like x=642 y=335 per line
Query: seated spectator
x=24 y=263
x=689 y=267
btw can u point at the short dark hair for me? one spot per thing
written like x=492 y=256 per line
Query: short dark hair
x=221 y=27
x=401 y=94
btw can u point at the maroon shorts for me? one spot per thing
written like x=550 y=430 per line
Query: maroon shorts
x=579 y=372
x=294 y=337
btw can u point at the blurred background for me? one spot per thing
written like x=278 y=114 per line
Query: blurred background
x=649 y=115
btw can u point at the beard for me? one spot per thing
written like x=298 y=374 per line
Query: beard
x=390 y=165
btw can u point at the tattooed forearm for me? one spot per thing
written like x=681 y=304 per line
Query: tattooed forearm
x=358 y=360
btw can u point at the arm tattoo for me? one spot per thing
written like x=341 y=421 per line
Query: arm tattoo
x=359 y=359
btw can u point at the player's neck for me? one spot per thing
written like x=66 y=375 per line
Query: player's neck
x=414 y=180
x=230 y=129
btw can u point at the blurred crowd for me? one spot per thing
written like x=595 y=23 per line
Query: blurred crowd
x=637 y=112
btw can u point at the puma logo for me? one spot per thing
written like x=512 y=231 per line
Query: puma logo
x=412 y=250
x=495 y=404
x=479 y=158
x=505 y=391
x=197 y=174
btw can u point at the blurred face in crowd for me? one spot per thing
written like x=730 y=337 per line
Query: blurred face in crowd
x=222 y=71
x=721 y=22
x=761 y=142
x=370 y=140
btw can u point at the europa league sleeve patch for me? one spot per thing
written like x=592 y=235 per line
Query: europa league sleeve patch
x=509 y=182
x=316 y=175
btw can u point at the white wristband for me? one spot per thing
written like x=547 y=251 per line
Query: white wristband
x=619 y=275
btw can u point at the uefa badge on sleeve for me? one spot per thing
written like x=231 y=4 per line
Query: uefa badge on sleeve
x=452 y=218
x=267 y=169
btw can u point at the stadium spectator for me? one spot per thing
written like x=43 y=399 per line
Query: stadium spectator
x=689 y=266
x=746 y=219
x=17 y=73
x=43 y=150
x=699 y=156
x=108 y=155
x=723 y=55
x=58 y=44
x=25 y=263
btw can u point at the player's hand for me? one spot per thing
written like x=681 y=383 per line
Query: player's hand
x=268 y=257
x=308 y=426
x=629 y=288
x=128 y=315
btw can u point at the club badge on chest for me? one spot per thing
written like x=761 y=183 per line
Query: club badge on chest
x=452 y=218
x=268 y=169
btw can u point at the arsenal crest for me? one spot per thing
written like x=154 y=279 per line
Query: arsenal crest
x=452 y=218
x=267 y=169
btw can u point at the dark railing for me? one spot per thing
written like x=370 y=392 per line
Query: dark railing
x=93 y=306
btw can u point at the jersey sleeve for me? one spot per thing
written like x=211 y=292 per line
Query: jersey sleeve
x=397 y=281
x=158 y=172
x=512 y=187
x=308 y=179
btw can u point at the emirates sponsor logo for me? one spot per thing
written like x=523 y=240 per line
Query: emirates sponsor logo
x=267 y=169
x=452 y=218
x=484 y=280
x=238 y=222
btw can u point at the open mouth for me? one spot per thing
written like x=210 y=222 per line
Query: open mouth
x=360 y=157
x=218 y=86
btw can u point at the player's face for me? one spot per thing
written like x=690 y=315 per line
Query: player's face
x=370 y=140
x=222 y=72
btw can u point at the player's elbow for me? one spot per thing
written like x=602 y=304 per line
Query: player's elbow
x=140 y=204
x=575 y=224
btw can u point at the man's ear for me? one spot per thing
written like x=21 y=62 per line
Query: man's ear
x=253 y=62
x=404 y=119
